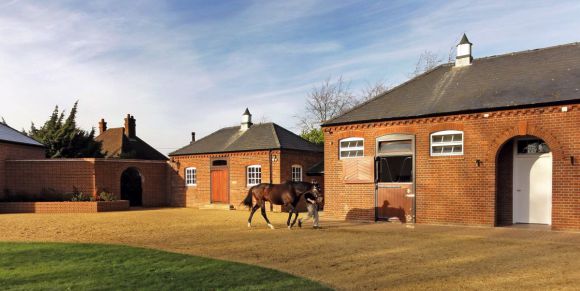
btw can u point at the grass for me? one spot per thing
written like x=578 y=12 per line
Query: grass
x=64 y=266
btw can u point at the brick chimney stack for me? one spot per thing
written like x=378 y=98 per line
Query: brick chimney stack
x=102 y=126
x=192 y=136
x=130 y=126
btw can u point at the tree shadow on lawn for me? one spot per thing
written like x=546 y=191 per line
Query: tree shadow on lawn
x=30 y=266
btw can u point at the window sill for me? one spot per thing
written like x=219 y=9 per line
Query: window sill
x=191 y=185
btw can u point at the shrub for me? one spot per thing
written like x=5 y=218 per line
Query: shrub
x=78 y=196
x=106 y=196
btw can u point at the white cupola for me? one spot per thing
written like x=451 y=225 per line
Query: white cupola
x=463 y=57
x=246 y=120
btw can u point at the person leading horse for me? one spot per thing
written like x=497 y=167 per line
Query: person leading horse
x=287 y=194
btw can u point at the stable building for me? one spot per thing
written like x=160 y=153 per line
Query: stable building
x=15 y=145
x=219 y=169
x=490 y=141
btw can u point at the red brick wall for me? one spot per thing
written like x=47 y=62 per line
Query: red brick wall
x=454 y=189
x=63 y=207
x=16 y=151
x=198 y=195
x=32 y=176
x=87 y=175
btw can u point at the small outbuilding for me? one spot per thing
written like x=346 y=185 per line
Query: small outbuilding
x=219 y=169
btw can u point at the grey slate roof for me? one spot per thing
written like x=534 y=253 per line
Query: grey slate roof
x=264 y=136
x=9 y=134
x=316 y=170
x=529 y=78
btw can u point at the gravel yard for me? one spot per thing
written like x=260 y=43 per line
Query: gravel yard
x=342 y=255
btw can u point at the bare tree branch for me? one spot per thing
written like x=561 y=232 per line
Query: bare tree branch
x=373 y=90
x=427 y=61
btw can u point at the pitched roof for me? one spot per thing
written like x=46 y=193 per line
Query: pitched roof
x=529 y=78
x=316 y=170
x=11 y=135
x=464 y=40
x=263 y=136
x=115 y=144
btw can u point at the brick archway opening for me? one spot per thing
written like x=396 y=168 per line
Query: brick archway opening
x=132 y=186
x=509 y=196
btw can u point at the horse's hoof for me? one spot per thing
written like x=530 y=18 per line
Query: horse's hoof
x=271 y=226
x=300 y=223
x=289 y=227
x=249 y=225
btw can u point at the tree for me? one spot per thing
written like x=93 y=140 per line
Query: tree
x=427 y=61
x=373 y=90
x=63 y=139
x=326 y=101
x=3 y=121
x=314 y=135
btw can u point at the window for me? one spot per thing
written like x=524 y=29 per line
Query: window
x=219 y=163
x=190 y=176
x=297 y=173
x=447 y=143
x=254 y=175
x=351 y=147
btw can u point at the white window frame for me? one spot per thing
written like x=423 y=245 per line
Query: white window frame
x=191 y=176
x=448 y=143
x=297 y=173
x=356 y=148
x=253 y=175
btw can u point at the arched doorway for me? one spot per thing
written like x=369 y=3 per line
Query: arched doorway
x=524 y=182
x=131 y=188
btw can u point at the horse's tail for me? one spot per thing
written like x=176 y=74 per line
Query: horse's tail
x=248 y=200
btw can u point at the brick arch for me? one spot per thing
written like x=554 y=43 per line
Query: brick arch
x=349 y=133
x=446 y=126
x=506 y=135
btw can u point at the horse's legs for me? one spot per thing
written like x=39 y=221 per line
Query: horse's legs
x=290 y=212
x=252 y=214
x=295 y=217
x=264 y=215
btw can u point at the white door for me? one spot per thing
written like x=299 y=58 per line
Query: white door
x=532 y=197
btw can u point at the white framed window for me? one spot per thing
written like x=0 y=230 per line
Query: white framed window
x=296 y=173
x=351 y=147
x=190 y=176
x=254 y=175
x=447 y=143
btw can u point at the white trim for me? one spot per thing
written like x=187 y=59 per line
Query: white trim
x=299 y=168
x=192 y=178
x=446 y=143
x=257 y=175
x=351 y=149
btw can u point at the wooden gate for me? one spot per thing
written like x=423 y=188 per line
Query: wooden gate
x=219 y=186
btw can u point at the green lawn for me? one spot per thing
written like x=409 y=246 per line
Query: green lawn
x=30 y=266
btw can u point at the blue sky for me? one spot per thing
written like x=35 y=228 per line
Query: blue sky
x=183 y=66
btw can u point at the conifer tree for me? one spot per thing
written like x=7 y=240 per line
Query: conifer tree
x=63 y=139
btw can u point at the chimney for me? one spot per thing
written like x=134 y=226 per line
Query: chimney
x=246 y=120
x=192 y=136
x=130 y=126
x=102 y=126
x=463 y=57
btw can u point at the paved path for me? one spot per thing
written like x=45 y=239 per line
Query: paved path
x=342 y=255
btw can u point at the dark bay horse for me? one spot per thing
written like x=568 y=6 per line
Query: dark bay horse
x=287 y=194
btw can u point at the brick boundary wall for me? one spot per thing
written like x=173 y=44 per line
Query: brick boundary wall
x=455 y=189
x=90 y=176
x=64 y=207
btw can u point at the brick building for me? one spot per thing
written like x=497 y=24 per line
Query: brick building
x=15 y=145
x=218 y=169
x=490 y=141
x=123 y=142
x=24 y=170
